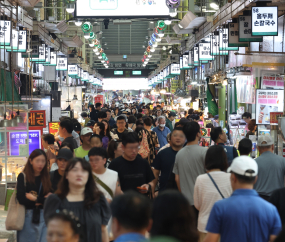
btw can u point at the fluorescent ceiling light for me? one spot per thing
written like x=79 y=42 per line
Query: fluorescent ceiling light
x=180 y=26
x=164 y=48
x=99 y=57
x=160 y=34
x=70 y=7
x=91 y=44
x=87 y=36
x=78 y=23
x=152 y=50
x=155 y=45
x=172 y=12
x=214 y=6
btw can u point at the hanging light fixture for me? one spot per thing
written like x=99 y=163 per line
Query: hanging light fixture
x=86 y=27
x=160 y=33
x=99 y=57
x=167 y=22
x=91 y=44
x=158 y=40
x=149 y=55
x=86 y=35
x=92 y=35
x=152 y=50
x=78 y=23
x=70 y=7
x=155 y=45
x=172 y=12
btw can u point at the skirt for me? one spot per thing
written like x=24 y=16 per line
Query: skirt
x=33 y=232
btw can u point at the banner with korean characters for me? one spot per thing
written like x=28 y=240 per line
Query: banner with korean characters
x=264 y=21
x=233 y=30
x=205 y=52
x=215 y=44
x=271 y=81
x=224 y=40
x=268 y=101
x=245 y=30
x=5 y=32
x=61 y=64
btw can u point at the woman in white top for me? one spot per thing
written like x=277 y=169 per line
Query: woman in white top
x=206 y=193
x=106 y=179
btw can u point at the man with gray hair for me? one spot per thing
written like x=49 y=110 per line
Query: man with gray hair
x=161 y=131
x=271 y=168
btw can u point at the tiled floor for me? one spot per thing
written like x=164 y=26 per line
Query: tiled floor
x=4 y=234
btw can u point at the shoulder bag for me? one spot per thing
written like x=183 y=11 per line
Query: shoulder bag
x=144 y=147
x=102 y=184
x=16 y=212
x=216 y=185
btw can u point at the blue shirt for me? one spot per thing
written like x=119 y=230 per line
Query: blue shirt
x=244 y=217
x=112 y=122
x=162 y=135
x=130 y=237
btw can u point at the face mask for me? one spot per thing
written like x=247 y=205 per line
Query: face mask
x=162 y=125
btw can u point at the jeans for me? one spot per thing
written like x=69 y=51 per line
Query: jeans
x=32 y=232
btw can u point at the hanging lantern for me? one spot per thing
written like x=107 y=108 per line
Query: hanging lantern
x=86 y=27
x=155 y=31
x=101 y=50
x=153 y=37
x=107 y=62
x=150 y=43
x=145 y=53
x=173 y=3
x=96 y=42
x=106 y=58
x=144 y=56
x=142 y=59
x=103 y=56
x=92 y=35
x=148 y=49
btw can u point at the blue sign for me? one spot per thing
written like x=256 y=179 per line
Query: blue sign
x=19 y=138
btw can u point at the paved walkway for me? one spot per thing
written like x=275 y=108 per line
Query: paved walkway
x=4 y=234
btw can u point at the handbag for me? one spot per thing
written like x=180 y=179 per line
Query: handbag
x=16 y=212
x=144 y=147
x=105 y=186
x=37 y=211
x=216 y=185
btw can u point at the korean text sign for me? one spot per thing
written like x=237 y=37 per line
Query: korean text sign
x=264 y=21
x=268 y=101
x=53 y=127
x=245 y=30
x=272 y=82
x=19 y=138
x=37 y=118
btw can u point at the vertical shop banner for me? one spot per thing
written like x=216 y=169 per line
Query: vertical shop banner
x=215 y=44
x=174 y=85
x=14 y=44
x=264 y=21
x=268 y=101
x=181 y=62
x=167 y=72
x=53 y=127
x=205 y=52
x=17 y=140
x=20 y=43
x=5 y=32
x=47 y=55
x=224 y=40
x=185 y=62
x=245 y=89
x=196 y=56
x=61 y=64
x=53 y=59
x=174 y=70
x=72 y=70
x=191 y=59
x=245 y=30
x=42 y=54
x=270 y=81
x=99 y=99
x=233 y=30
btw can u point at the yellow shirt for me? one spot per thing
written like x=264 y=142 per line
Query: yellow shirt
x=80 y=153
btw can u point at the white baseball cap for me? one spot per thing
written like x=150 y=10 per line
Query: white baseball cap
x=245 y=166
x=264 y=140
x=86 y=130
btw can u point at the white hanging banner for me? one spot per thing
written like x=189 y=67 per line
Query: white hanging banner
x=215 y=44
x=5 y=32
x=42 y=54
x=72 y=70
x=53 y=59
x=233 y=36
x=61 y=64
x=245 y=30
x=205 y=52
x=196 y=56
x=264 y=21
x=224 y=40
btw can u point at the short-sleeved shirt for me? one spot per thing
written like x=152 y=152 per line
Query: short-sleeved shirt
x=80 y=152
x=164 y=162
x=132 y=174
x=244 y=217
x=71 y=141
x=189 y=164
x=271 y=171
x=115 y=134
x=162 y=135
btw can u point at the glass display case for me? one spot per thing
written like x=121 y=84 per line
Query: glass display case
x=14 y=142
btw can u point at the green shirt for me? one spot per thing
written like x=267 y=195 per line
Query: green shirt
x=169 y=124
x=79 y=152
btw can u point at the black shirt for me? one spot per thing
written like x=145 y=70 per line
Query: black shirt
x=132 y=174
x=94 y=115
x=54 y=178
x=71 y=141
x=33 y=188
x=164 y=162
x=115 y=132
x=278 y=200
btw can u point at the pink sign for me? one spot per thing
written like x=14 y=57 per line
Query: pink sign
x=268 y=81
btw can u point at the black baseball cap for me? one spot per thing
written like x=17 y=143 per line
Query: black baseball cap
x=77 y=127
x=171 y=114
x=64 y=154
x=90 y=123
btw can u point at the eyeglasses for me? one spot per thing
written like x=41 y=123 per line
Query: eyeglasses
x=133 y=148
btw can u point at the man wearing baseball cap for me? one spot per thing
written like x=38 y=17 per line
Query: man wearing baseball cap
x=169 y=120
x=83 y=150
x=243 y=217
x=271 y=168
x=63 y=156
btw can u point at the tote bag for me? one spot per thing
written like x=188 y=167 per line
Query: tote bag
x=144 y=147
x=16 y=212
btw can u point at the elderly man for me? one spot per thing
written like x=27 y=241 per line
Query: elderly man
x=271 y=168
x=161 y=131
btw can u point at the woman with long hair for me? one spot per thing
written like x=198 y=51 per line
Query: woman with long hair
x=32 y=187
x=101 y=130
x=77 y=192
x=114 y=150
x=107 y=128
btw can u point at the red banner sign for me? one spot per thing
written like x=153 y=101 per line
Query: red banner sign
x=37 y=118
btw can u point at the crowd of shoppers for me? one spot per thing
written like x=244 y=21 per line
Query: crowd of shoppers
x=132 y=174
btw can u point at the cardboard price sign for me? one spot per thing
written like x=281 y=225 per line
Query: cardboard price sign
x=37 y=118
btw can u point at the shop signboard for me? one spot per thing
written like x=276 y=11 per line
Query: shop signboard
x=37 y=118
x=268 y=101
x=53 y=59
x=15 y=37
x=72 y=70
x=274 y=117
x=174 y=85
x=53 y=127
x=21 y=45
x=118 y=8
x=47 y=55
x=205 y=52
x=5 y=32
x=215 y=44
x=224 y=40
x=270 y=81
x=42 y=54
x=245 y=89
x=85 y=76
x=99 y=99
x=17 y=141
x=196 y=56
x=185 y=62
x=264 y=21
x=174 y=69
x=167 y=73
x=191 y=59
x=245 y=30
x=61 y=64
x=233 y=31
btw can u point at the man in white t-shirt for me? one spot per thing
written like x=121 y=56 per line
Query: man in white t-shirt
x=106 y=179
